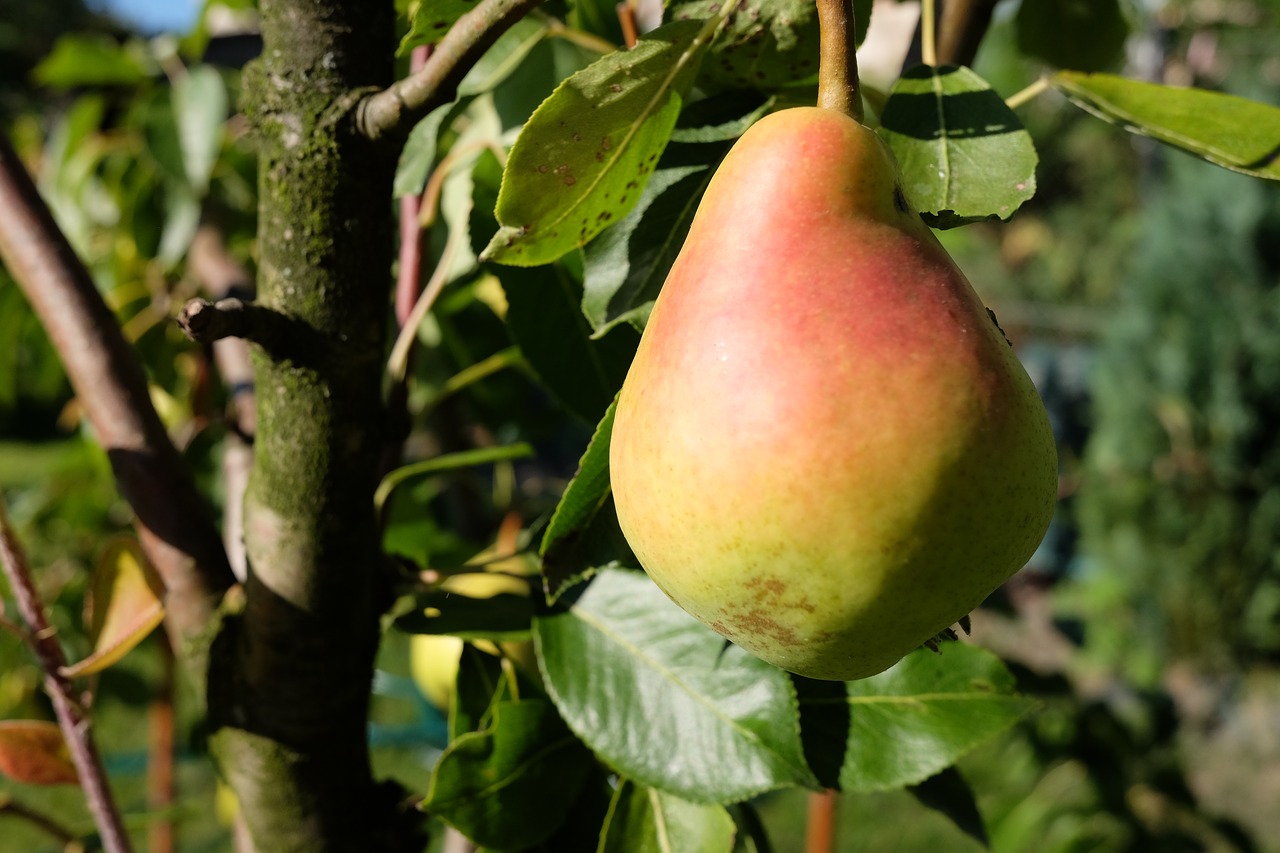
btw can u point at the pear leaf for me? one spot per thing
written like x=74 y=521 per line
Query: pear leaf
x=544 y=316
x=124 y=605
x=916 y=718
x=964 y=155
x=430 y=20
x=504 y=57
x=645 y=820
x=448 y=462
x=664 y=700
x=34 y=752
x=586 y=152
x=1230 y=131
x=583 y=534
x=1087 y=35
x=949 y=794
x=511 y=785
x=200 y=111
x=766 y=44
x=98 y=59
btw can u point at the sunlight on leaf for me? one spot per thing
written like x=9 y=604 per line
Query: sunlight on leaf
x=586 y=153
x=1232 y=132
x=964 y=155
x=644 y=820
x=666 y=701
x=124 y=605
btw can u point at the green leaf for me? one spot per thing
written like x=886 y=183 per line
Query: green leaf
x=1087 y=35
x=1232 y=132
x=587 y=151
x=766 y=44
x=511 y=785
x=430 y=20
x=949 y=794
x=504 y=57
x=92 y=60
x=499 y=618
x=583 y=535
x=479 y=684
x=588 y=488
x=663 y=699
x=124 y=605
x=448 y=462
x=911 y=721
x=419 y=153
x=200 y=110
x=544 y=316
x=964 y=155
x=645 y=820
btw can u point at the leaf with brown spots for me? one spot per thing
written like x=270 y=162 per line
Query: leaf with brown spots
x=590 y=147
x=33 y=752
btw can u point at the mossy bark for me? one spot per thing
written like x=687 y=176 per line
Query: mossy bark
x=291 y=670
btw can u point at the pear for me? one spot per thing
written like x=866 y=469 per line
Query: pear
x=825 y=449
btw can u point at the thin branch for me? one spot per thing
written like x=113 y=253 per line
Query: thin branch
x=963 y=25
x=71 y=717
x=393 y=112
x=174 y=523
x=409 y=271
x=1033 y=90
x=69 y=839
x=222 y=277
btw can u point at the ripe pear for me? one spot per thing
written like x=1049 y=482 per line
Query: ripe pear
x=825 y=449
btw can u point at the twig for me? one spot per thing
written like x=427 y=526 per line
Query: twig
x=222 y=277
x=71 y=717
x=821 y=834
x=409 y=271
x=174 y=524
x=398 y=362
x=1019 y=98
x=69 y=839
x=627 y=18
x=395 y=110
x=205 y=322
x=963 y=25
x=160 y=758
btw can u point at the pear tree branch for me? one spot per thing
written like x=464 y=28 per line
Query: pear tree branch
x=173 y=521
x=67 y=708
x=392 y=112
x=963 y=25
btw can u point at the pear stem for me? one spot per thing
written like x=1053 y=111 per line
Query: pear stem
x=928 y=34
x=838 y=59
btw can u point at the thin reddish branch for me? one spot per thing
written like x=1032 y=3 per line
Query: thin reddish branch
x=409 y=274
x=67 y=707
x=394 y=111
x=174 y=523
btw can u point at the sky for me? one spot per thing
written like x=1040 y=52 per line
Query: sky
x=152 y=16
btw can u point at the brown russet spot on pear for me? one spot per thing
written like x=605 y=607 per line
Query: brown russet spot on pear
x=825 y=449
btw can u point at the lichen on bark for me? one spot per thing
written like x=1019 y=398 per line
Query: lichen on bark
x=290 y=681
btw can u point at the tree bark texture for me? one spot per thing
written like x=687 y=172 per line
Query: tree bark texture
x=291 y=669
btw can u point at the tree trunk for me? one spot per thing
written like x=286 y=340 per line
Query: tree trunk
x=291 y=669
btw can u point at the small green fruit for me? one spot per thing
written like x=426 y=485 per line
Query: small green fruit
x=825 y=449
